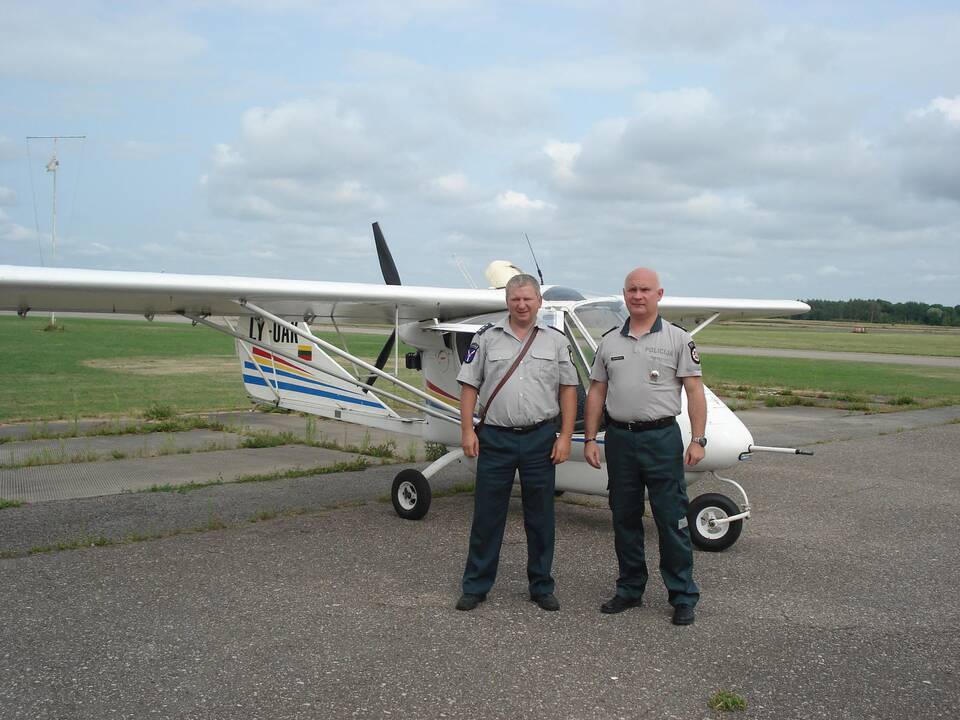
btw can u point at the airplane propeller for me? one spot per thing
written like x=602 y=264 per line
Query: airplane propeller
x=391 y=277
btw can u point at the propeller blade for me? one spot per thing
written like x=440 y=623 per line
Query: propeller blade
x=387 y=266
x=390 y=277
x=383 y=356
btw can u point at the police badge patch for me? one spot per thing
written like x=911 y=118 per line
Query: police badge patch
x=471 y=353
x=694 y=355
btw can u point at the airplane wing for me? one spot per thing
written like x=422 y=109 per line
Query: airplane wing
x=689 y=311
x=147 y=293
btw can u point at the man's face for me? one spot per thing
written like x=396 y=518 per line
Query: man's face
x=523 y=304
x=642 y=293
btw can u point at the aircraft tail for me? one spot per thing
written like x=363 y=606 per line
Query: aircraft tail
x=284 y=370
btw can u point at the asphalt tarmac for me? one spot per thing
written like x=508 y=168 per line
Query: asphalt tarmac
x=310 y=598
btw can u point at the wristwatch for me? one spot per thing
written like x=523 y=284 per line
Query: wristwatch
x=701 y=440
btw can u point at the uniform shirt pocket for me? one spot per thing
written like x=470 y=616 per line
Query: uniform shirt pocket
x=660 y=368
x=545 y=364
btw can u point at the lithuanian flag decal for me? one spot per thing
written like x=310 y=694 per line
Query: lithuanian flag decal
x=305 y=352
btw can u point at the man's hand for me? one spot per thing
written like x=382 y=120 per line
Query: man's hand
x=694 y=454
x=591 y=451
x=561 y=450
x=469 y=442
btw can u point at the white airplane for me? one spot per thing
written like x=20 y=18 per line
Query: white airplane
x=284 y=363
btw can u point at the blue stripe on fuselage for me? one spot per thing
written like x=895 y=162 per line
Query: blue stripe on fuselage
x=254 y=380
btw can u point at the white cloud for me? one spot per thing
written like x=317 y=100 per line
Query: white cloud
x=563 y=156
x=8 y=196
x=513 y=200
x=947 y=108
x=13 y=232
x=454 y=187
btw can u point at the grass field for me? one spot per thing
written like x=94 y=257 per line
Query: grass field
x=796 y=335
x=96 y=368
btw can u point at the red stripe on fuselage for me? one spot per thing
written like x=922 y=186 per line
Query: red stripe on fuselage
x=270 y=356
x=431 y=386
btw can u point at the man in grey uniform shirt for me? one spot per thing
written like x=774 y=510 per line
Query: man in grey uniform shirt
x=518 y=434
x=637 y=374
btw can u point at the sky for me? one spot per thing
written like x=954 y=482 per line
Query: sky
x=741 y=149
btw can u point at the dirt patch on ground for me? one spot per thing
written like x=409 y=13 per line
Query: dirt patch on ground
x=166 y=366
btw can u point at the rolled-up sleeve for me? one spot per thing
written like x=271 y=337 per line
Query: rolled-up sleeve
x=568 y=372
x=599 y=370
x=688 y=362
x=471 y=371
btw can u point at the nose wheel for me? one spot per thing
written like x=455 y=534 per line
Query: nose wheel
x=411 y=494
x=709 y=523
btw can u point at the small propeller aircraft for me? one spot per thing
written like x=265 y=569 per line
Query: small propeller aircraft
x=284 y=363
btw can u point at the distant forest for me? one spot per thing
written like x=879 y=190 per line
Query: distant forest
x=882 y=311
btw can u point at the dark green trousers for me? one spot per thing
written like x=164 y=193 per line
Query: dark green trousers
x=502 y=455
x=651 y=460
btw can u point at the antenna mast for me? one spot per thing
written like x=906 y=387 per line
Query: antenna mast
x=534 y=258
x=52 y=167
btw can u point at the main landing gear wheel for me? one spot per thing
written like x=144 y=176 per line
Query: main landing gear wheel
x=411 y=494
x=709 y=507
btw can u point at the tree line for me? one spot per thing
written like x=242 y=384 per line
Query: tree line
x=882 y=311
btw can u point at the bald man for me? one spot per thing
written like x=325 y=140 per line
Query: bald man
x=637 y=377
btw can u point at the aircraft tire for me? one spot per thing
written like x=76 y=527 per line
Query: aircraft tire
x=411 y=494
x=702 y=509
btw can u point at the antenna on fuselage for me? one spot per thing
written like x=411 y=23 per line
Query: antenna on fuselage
x=529 y=245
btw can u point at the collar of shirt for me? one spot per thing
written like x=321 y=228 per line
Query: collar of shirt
x=504 y=325
x=656 y=327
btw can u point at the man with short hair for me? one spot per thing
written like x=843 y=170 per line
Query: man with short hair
x=517 y=433
x=637 y=376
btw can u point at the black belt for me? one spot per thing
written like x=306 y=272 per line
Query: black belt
x=522 y=430
x=641 y=425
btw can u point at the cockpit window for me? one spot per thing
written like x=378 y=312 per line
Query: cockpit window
x=598 y=317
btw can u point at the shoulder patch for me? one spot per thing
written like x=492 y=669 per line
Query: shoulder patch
x=694 y=355
x=471 y=353
x=482 y=330
x=610 y=330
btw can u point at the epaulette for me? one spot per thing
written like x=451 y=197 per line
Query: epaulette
x=610 y=330
x=486 y=327
x=678 y=325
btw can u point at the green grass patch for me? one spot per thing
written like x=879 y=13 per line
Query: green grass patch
x=265 y=439
x=866 y=385
x=4 y=503
x=97 y=368
x=725 y=701
x=354 y=465
x=833 y=337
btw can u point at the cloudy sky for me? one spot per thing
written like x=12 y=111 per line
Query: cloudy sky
x=751 y=149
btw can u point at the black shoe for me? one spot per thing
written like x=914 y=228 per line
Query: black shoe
x=683 y=615
x=618 y=604
x=547 y=601
x=469 y=601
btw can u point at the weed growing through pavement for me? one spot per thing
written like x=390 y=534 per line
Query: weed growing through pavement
x=434 y=450
x=724 y=701
x=4 y=503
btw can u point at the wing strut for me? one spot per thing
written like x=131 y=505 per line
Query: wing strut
x=706 y=322
x=290 y=356
x=328 y=347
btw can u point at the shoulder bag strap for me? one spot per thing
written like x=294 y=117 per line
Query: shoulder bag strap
x=516 y=362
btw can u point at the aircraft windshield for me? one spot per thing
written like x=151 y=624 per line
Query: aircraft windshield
x=600 y=315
